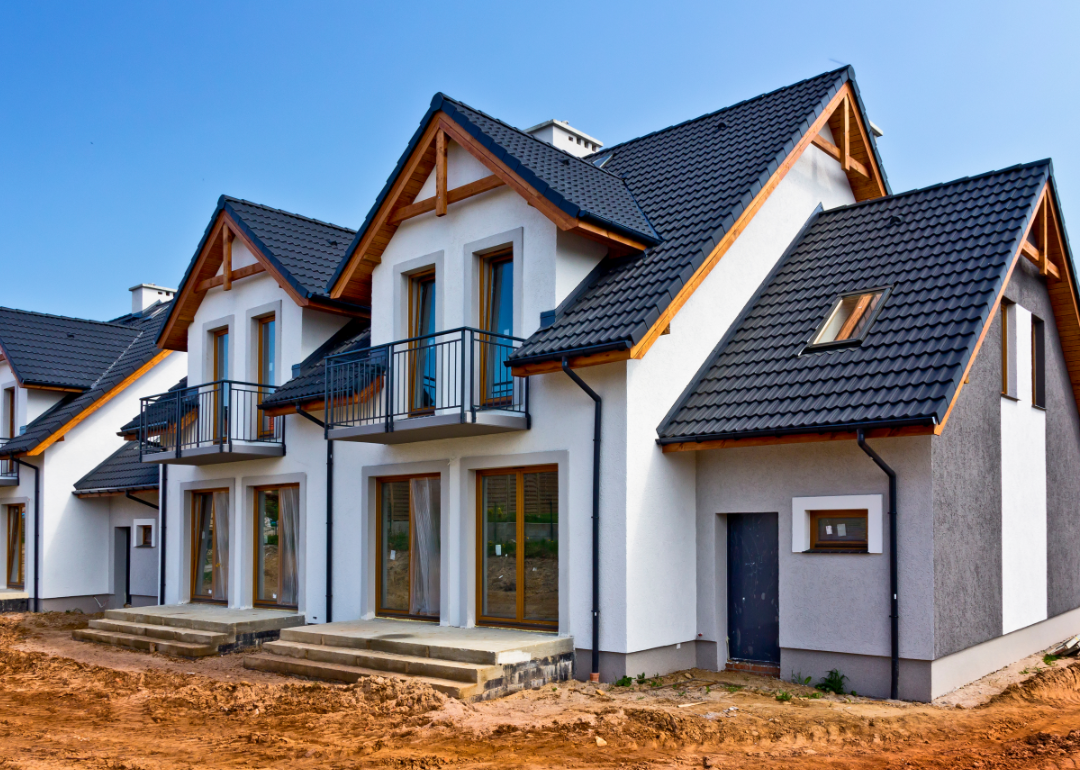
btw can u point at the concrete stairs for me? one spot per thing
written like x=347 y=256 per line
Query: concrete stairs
x=193 y=633
x=469 y=664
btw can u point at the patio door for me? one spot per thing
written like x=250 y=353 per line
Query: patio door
x=422 y=356
x=16 y=546
x=221 y=391
x=210 y=546
x=408 y=559
x=277 y=535
x=518 y=548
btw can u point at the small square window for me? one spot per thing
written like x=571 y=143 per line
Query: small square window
x=849 y=318
x=145 y=535
x=842 y=531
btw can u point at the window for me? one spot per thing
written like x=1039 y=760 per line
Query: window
x=144 y=536
x=221 y=354
x=603 y=159
x=1038 y=362
x=210 y=546
x=839 y=531
x=422 y=352
x=1006 y=349
x=277 y=536
x=409 y=547
x=9 y=413
x=16 y=546
x=221 y=394
x=267 y=356
x=518 y=549
x=497 y=317
x=849 y=319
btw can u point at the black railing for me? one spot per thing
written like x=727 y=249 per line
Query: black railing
x=9 y=469
x=215 y=414
x=460 y=371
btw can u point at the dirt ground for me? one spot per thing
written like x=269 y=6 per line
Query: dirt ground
x=72 y=704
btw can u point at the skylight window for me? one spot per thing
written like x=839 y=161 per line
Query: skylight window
x=603 y=159
x=849 y=319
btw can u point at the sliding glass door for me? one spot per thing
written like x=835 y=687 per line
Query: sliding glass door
x=277 y=535
x=210 y=546
x=16 y=546
x=518 y=548
x=408 y=556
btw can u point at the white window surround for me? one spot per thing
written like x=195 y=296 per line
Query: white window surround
x=802 y=506
x=403 y=271
x=227 y=322
x=136 y=524
x=474 y=254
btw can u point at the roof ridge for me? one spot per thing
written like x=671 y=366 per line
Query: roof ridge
x=938 y=185
x=716 y=112
x=286 y=213
x=39 y=314
x=116 y=361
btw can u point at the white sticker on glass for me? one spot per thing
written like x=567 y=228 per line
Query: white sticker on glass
x=828 y=529
x=498 y=550
x=841 y=529
x=393 y=555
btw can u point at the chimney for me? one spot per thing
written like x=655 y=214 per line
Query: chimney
x=560 y=134
x=146 y=294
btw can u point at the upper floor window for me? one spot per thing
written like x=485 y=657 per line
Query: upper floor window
x=221 y=354
x=497 y=294
x=422 y=357
x=422 y=304
x=267 y=351
x=849 y=318
x=1038 y=362
x=9 y=413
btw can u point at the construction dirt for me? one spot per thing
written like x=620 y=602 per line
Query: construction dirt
x=73 y=704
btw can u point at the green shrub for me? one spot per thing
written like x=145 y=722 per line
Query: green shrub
x=833 y=682
x=783 y=696
x=624 y=681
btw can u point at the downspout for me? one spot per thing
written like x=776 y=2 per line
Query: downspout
x=894 y=684
x=164 y=499
x=37 y=530
x=594 y=675
x=329 y=514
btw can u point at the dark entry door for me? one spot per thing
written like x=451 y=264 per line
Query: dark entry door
x=753 y=587
x=122 y=565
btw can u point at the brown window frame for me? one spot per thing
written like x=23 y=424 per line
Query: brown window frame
x=267 y=424
x=519 y=621
x=1038 y=362
x=380 y=611
x=855 y=546
x=1006 y=349
x=255 y=600
x=416 y=280
x=13 y=549
x=145 y=534
x=220 y=416
x=488 y=262
x=871 y=315
x=193 y=550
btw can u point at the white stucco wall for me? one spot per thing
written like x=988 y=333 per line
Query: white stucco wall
x=1023 y=490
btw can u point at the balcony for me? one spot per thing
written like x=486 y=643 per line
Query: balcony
x=9 y=469
x=444 y=385
x=217 y=422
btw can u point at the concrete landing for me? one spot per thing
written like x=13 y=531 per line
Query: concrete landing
x=466 y=663
x=188 y=630
x=14 y=600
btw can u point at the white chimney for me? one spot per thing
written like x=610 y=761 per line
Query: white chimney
x=559 y=133
x=146 y=294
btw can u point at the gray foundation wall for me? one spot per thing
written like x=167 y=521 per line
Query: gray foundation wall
x=966 y=462
x=659 y=660
x=869 y=675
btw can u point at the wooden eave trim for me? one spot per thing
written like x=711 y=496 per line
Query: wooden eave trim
x=316 y=405
x=30 y=386
x=575 y=362
x=237 y=274
x=833 y=151
x=797 y=438
x=453 y=196
x=844 y=93
x=287 y=287
x=59 y=434
x=189 y=290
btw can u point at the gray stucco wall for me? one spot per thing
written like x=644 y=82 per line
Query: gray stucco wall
x=1028 y=289
x=966 y=461
x=828 y=602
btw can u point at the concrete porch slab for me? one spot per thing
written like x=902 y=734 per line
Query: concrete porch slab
x=211 y=617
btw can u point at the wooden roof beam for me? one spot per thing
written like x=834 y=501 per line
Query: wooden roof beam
x=452 y=196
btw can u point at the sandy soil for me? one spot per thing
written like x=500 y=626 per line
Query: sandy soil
x=67 y=704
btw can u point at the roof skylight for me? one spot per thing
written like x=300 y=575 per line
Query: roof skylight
x=603 y=159
x=849 y=319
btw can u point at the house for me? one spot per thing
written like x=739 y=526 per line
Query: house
x=77 y=535
x=654 y=400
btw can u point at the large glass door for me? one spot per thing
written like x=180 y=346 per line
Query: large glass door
x=422 y=353
x=210 y=546
x=518 y=548
x=16 y=546
x=408 y=559
x=277 y=535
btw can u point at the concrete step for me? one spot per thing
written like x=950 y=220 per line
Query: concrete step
x=168 y=633
x=337 y=672
x=146 y=643
x=223 y=621
x=388 y=662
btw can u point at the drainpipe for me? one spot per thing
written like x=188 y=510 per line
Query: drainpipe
x=594 y=676
x=894 y=685
x=163 y=496
x=37 y=530
x=329 y=515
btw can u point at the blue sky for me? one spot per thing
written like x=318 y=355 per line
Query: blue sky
x=121 y=123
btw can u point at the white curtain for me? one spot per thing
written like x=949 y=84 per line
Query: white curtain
x=289 y=538
x=221 y=546
x=425 y=558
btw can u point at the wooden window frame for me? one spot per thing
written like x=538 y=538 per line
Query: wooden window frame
x=1006 y=348
x=416 y=280
x=145 y=534
x=193 y=550
x=870 y=315
x=267 y=424
x=9 y=406
x=487 y=265
x=853 y=547
x=380 y=611
x=220 y=417
x=1038 y=362
x=519 y=621
x=16 y=512
x=255 y=543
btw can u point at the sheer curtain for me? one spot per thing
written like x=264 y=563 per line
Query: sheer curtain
x=289 y=530
x=221 y=546
x=425 y=558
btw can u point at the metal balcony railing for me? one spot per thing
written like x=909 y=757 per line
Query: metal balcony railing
x=215 y=414
x=459 y=371
x=9 y=469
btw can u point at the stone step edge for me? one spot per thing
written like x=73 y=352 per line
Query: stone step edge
x=210 y=638
x=338 y=672
x=312 y=635
x=214 y=626
x=471 y=673
x=137 y=642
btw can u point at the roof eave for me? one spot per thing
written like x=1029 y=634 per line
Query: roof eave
x=845 y=427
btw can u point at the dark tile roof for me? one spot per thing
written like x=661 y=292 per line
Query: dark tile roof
x=310 y=382
x=59 y=352
x=141 y=349
x=692 y=180
x=122 y=471
x=944 y=251
x=131 y=427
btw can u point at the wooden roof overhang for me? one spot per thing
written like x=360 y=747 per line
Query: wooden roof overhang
x=399 y=204
x=1044 y=243
x=215 y=252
